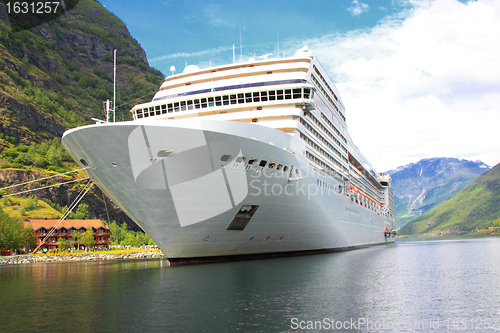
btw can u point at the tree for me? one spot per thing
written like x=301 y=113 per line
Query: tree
x=87 y=238
x=28 y=238
x=10 y=232
x=64 y=243
x=82 y=212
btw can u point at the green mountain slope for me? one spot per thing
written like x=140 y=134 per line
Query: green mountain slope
x=57 y=75
x=419 y=187
x=476 y=207
x=54 y=77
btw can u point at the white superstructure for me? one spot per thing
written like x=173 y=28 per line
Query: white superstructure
x=241 y=160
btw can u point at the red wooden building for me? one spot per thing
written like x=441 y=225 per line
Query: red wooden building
x=66 y=231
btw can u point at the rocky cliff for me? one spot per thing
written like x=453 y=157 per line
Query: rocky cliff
x=56 y=76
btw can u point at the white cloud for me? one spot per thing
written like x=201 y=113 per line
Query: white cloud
x=423 y=83
x=212 y=51
x=358 y=8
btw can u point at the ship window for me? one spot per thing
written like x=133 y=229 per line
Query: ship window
x=151 y=111
x=190 y=105
x=271 y=165
x=279 y=166
x=285 y=168
x=263 y=96
x=272 y=95
x=163 y=108
x=196 y=103
x=218 y=101
x=256 y=97
x=263 y=163
x=139 y=114
x=251 y=161
x=279 y=94
x=165 y=153
x=241 y=100
x=225 y=158
x=157 y=110
x=288 y=93
x=233 y=99
x=240 y=159
x=203 y=102
x=306 y=92
x=146 y=114
x=225 y=100
x=170 y=107
x=183 y=106
x=297 y=93
x=248 y=97
x=176 y=106
x=211 y=102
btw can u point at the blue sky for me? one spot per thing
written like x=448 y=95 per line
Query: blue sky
x=419 y=78
x=197 y=31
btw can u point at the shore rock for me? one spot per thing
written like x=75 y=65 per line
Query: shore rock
x=30 y=259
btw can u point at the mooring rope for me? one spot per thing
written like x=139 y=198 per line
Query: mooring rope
x=80 y=196
x=41 y=188
x=37 y=180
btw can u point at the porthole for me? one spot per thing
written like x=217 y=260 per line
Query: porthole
x=263 y=163
x=271 y=165
x=240 y=159
x=252 y=161
x=84 y=162
x=225 y=158
x=165 y=153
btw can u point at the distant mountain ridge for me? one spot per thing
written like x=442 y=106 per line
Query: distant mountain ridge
x=419 y=187
x=476 y=208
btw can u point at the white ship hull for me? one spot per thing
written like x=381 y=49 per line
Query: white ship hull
x=184 y=181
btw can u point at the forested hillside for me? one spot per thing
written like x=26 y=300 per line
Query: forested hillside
x=57 y=75
x=54 y=77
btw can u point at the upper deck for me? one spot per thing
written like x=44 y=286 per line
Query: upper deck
x=294 y=95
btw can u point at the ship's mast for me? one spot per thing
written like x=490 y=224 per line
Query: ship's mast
x=114 y=85
x=108 y=109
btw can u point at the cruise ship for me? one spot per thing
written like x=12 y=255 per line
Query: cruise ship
x=241 y=161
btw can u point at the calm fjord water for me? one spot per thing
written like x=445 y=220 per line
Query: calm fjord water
x=412 y=286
